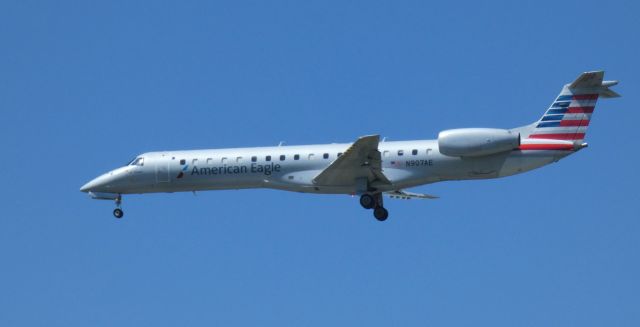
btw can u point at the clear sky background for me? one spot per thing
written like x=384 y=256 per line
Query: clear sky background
x=85 y=86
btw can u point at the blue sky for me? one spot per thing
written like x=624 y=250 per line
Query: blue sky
x=87 y=85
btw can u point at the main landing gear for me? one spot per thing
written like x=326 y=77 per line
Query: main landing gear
x=117 y=212
x=369 y=201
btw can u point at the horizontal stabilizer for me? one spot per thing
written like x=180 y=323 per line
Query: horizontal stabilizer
x=401 y=194
x=608 y=93
x=593 y=82
x=588 y=80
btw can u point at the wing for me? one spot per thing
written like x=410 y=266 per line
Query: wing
x=361 y=160
x=401 y=194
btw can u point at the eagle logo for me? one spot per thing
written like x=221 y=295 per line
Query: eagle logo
x=181 y=174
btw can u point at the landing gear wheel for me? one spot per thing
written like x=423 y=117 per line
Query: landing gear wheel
x=118 y=213
x=367 y=201
x=381 y=213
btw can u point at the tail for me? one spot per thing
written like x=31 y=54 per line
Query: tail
x=569 y=115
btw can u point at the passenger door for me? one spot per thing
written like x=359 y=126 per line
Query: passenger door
x=162 y=169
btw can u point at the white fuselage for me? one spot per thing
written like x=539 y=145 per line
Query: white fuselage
x=293 y=168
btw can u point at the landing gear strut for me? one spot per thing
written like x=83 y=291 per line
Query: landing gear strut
x=369 y=201
x=117 y=212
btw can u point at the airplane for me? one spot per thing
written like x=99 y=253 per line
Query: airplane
x=368 y=167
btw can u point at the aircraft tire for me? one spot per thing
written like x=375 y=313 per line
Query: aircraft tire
x=381 y=213
x=118 y=213
x=367 y=201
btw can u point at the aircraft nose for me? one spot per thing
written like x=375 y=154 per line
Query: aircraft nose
x=88 y=186
x=109 y=182
x=96 y=184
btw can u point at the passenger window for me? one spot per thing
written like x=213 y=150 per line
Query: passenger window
x=386 y=153
x=414 y=152
x=310 y=156
x=429 y=151
x=296 y=157
x=194 y=162
x=182 y=161
x=209 y=161
x=339 y=154
x=282 y=157
x=326 y=156
x=238 y=159
x=400 y=152
x=254 y=159
x=223 y=160
x=267 y=158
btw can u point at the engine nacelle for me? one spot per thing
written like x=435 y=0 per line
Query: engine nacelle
x=475 y=142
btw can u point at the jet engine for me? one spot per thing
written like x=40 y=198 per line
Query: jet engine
x=475 y=142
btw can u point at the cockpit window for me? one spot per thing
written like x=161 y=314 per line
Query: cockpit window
x=137 y=162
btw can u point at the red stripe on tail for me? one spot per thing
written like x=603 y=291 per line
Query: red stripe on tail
x=574 y=123
x=559 y=136
x=580 y=110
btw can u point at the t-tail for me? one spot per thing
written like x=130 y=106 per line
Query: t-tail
x=568 y=117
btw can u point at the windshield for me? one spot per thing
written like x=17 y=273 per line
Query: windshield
x=136 y=162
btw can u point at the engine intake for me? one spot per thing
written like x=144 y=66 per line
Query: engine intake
x=475 y=142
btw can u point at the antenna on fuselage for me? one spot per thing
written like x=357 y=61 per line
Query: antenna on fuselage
x=281 y=143
x=384 y=139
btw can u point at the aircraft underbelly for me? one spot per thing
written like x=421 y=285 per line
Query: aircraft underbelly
x=519 y=162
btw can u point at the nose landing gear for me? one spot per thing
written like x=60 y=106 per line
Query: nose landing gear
x=117 y=212
x=369 y=201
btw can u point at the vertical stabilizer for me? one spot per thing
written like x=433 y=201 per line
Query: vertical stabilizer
x=569 y=115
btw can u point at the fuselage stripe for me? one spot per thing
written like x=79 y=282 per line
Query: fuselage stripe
x=546 y=147
x=559 y=136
